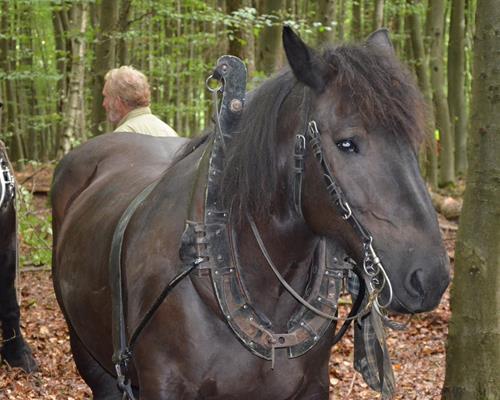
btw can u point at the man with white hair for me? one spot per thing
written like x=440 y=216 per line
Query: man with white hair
x=127 y=98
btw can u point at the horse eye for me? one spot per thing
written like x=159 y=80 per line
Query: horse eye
x=347 y=145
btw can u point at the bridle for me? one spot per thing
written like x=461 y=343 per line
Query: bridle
x=375 y=275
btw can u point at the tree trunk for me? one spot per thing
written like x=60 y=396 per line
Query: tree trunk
x=326 y=14
x=378 y=15
x=436 y=33
x=105 y=55
x=421 y=68
x=74 y=107
x=340 y=21
x=241 y=40
x=236 y=47
x=123 y=24
x=62 y=52
x=473 y=351
x=27 y=93
x=7 y=48
x=270 y=39
x=357 y=24
x=456 y=83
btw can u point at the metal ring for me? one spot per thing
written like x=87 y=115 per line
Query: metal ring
x=217 y=89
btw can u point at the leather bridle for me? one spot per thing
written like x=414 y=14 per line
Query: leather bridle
x=375 y=275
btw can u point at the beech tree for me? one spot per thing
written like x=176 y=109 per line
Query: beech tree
x=473 y=351
x=456 y=83
x=436 y=32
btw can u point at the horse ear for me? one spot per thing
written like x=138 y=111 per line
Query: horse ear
x=380 y=39
x=307 y=66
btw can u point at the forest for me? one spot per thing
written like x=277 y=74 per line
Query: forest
x=54 y=55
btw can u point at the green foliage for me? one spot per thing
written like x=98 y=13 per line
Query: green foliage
x=35 y=231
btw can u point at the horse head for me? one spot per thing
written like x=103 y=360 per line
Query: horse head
x=370 y=118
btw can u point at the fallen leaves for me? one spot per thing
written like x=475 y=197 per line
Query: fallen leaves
x=45 y=330
x=418 y=354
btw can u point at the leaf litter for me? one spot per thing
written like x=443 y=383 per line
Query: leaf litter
x=417 y=354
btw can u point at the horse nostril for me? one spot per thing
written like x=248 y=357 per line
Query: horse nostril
x=416 y=286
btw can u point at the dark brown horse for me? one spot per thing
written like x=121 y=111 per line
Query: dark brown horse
x=369 y=114
x=13 y=349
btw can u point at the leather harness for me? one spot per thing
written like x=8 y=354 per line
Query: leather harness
x=7 y=182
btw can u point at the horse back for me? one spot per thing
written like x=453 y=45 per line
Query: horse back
x=105 y=157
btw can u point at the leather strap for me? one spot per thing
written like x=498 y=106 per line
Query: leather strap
x=122 y=354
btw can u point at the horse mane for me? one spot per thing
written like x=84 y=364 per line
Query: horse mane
x=251 y=173
x=191 y=145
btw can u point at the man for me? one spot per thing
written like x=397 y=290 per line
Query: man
x=127 y=98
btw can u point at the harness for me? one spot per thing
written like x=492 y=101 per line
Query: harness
x=7 y=183
x=207 y=249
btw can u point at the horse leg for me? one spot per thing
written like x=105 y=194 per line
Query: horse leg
x=14 y=349
x=100 y=381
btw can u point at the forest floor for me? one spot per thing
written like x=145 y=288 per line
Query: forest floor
x=417 y=354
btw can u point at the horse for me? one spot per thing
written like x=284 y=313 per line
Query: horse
x=14 y=350
x=364 y=120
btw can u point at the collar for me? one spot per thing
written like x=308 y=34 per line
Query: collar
x=134 y=113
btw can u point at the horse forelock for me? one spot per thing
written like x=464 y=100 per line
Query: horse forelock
x=378 y=87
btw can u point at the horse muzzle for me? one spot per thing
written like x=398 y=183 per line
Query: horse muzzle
x=421 y=288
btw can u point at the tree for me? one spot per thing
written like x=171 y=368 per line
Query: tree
x=378 y=15
x=422 y=71
x=74 y=115
x=105 y=56
x=340 y=20
x=357 y=20
x=456 y=83
x=7 y=62
x=326 y=14
x=473 y=351
x=241 y=40
x=435 y=29
x=270 y=38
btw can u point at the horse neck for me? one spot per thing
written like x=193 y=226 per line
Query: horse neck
x=290 y=245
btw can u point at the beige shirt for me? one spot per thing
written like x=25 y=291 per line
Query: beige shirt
x=142 y=121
